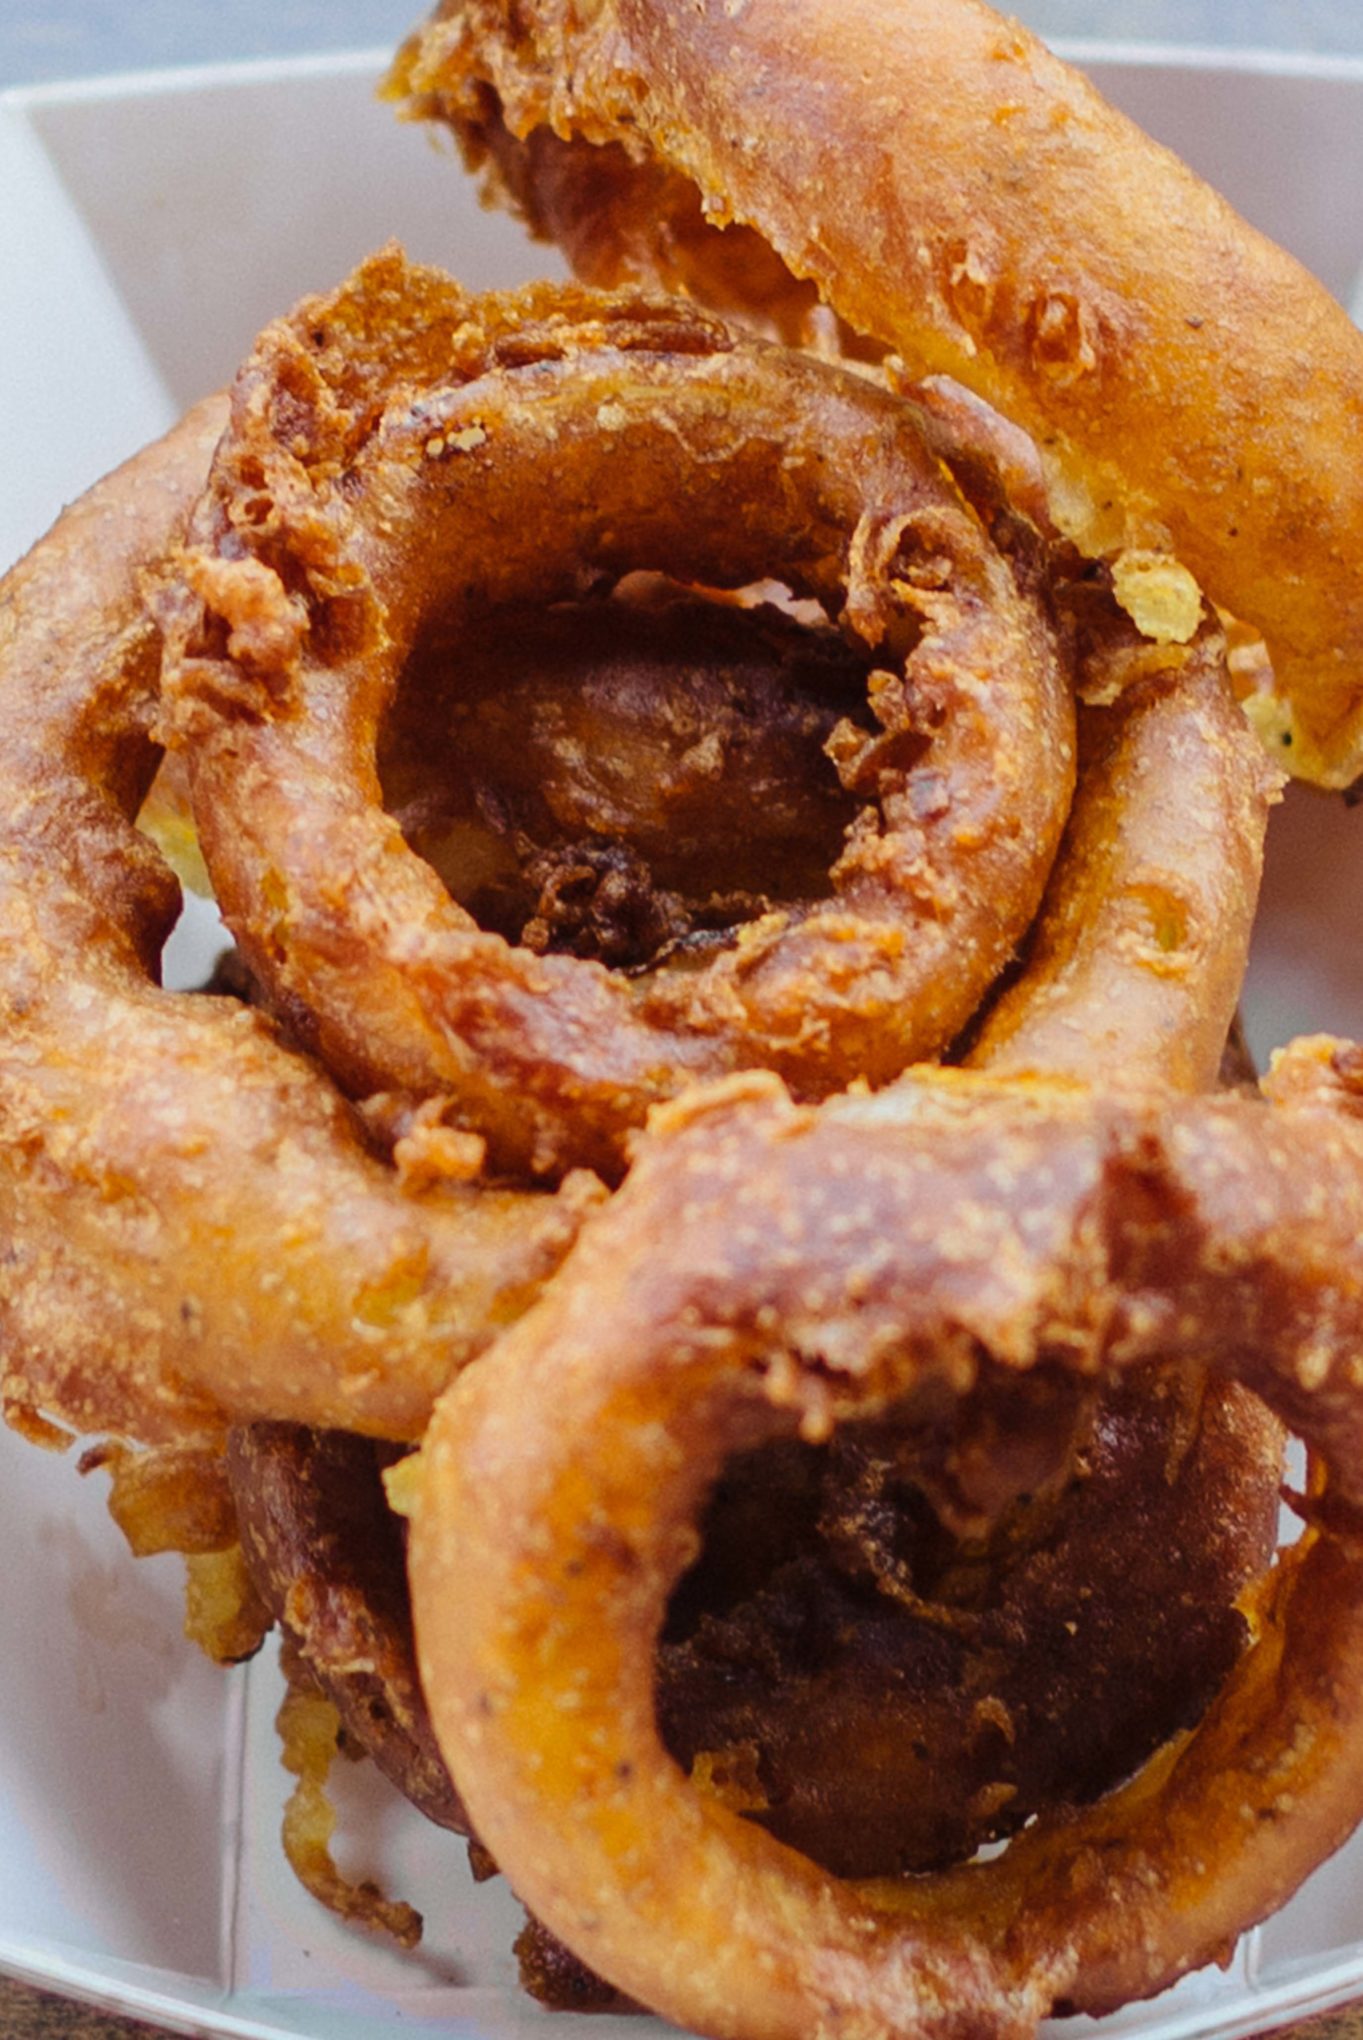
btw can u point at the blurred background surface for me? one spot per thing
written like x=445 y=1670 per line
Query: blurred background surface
x=42 y=40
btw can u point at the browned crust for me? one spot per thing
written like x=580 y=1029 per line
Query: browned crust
x=139 y=1291
x=1138 y=956
x=326 y=1554
x=875 y=1691
x=532 y=444
x=194 y=1222
x=766 y=1269
x=963 y=198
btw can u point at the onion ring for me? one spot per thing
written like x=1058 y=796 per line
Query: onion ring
x=1137 y=958
x=642 y=435
x=882 y=1696
x=195 y=1223
x=138 y=1292
x=769 y=1269
x=959 y=195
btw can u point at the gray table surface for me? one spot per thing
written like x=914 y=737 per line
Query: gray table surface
x=42 y=40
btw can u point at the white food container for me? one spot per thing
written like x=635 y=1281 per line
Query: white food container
x=148 y=226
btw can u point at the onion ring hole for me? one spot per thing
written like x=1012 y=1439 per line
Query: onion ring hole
x=626 y=777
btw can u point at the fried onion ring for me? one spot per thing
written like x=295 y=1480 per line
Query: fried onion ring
x=957 y=194
x=140 y=1291
x=771 y=1270
x=1137 y=958
x=195 y=1223
x=100 y=881
x=403 y=459
x=882 y=1691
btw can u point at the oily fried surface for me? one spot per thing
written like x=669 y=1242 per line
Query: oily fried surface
x=876 y=1688
x=157 y=1149
x=327 y=1556
x=309 y=1728
x=160 y=1152
x=770 y=1270
x=429 y=458
x=1134 y=966
x=642 y=789
x=982 y=212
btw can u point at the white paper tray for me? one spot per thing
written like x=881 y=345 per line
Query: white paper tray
x=148 y=226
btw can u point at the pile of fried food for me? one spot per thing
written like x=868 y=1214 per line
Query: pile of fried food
x=707 y=1260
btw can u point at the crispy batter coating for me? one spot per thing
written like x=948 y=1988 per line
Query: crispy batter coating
x=403 y=458
x=1174 y=808
x=1136 y=961
x=328 y=1556
x=195 y=1222
x=309 y=1729
x=886 y=1694
x=927 y=170
x=770 y=1271
x=174 y=1498
x=197 y=1225
x=177 y=1498
x=817 y=1737
x=878 y=1692
x=610 y=778
x=201 y=1228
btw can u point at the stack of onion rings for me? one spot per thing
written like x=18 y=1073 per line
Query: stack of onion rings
x=162 y=1151
x=630 y=135
x=107 y=710
x=1161 y=862
x=391 y=1106
x=277 y=535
